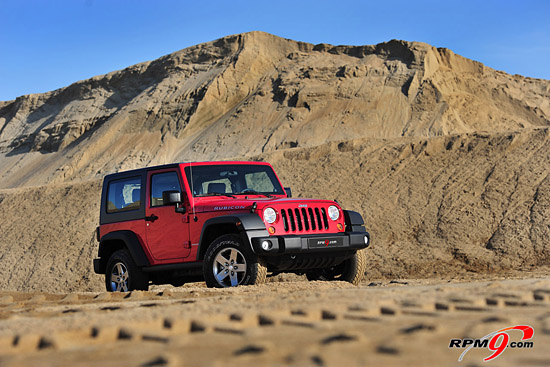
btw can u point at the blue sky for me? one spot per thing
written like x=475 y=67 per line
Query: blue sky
x=46 y=44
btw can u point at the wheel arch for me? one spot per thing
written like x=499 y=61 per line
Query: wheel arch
x=246 y=225
x=119 y=240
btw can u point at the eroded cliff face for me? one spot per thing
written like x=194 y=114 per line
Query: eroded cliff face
x=253 y=93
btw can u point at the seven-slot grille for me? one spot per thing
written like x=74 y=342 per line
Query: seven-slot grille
x=304 y=219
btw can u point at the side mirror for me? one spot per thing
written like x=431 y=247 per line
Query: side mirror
x=173 y=197
x=288 y=191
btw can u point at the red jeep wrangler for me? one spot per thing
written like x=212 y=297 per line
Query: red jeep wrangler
x=229 y=223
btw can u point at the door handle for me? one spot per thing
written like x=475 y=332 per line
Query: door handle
x=151 y=218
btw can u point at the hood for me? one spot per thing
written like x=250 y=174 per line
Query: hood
x=217 y=203
x=293 y=216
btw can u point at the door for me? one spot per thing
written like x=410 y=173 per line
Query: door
x=167 y=231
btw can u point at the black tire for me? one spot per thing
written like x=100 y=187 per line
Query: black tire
x=122 y=274
x=352 y=270
x=225 y=258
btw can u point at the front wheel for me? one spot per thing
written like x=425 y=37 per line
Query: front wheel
x=229 y=263
x=352 y=270
x=122 y=274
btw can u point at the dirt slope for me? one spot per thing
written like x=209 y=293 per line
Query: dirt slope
x=47 y=240
x=474 y=202
x=435 y=207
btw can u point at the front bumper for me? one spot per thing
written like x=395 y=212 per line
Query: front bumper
x=315 y=243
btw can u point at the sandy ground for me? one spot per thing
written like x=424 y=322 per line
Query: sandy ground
x=297 y=323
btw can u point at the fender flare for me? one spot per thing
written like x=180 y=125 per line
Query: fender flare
x=131 y=242
x=249 y=225
x=354 y=221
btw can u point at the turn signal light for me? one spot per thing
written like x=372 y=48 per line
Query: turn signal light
x=340 y=227
x=271 y=230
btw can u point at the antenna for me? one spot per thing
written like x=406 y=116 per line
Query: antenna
x=190 y=168
x=192 y=191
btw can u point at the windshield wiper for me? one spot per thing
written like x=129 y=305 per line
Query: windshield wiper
x=216 y=194
x=253 y=192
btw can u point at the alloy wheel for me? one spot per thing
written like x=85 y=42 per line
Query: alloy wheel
x=119 y=278
x=229 y=267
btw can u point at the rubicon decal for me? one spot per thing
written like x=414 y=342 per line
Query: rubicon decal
x=497 y=341
x=229 y=207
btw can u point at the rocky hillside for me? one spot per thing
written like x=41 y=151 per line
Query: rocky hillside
x=447 y=159
x=255 y=93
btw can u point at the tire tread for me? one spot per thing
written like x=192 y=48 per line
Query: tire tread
x=259 y=270
x=353 y=272
x=358 y=274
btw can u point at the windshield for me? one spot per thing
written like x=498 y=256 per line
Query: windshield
x=235 y=179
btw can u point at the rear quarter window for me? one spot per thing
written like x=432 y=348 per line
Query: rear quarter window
x=124 y=195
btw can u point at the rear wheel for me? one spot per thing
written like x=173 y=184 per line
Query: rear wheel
x=351 y=270
x=122 y=274
x=229 y=263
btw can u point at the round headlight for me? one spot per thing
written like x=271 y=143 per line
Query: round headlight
x=333 y=212
x=270 y=215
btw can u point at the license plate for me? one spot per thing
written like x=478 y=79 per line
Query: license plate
x=325 y=242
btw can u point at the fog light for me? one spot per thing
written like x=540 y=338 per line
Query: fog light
x=366 y=240
x=267 y=245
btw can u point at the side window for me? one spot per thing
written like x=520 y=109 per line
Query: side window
x=124 y=195
x=160 y=182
